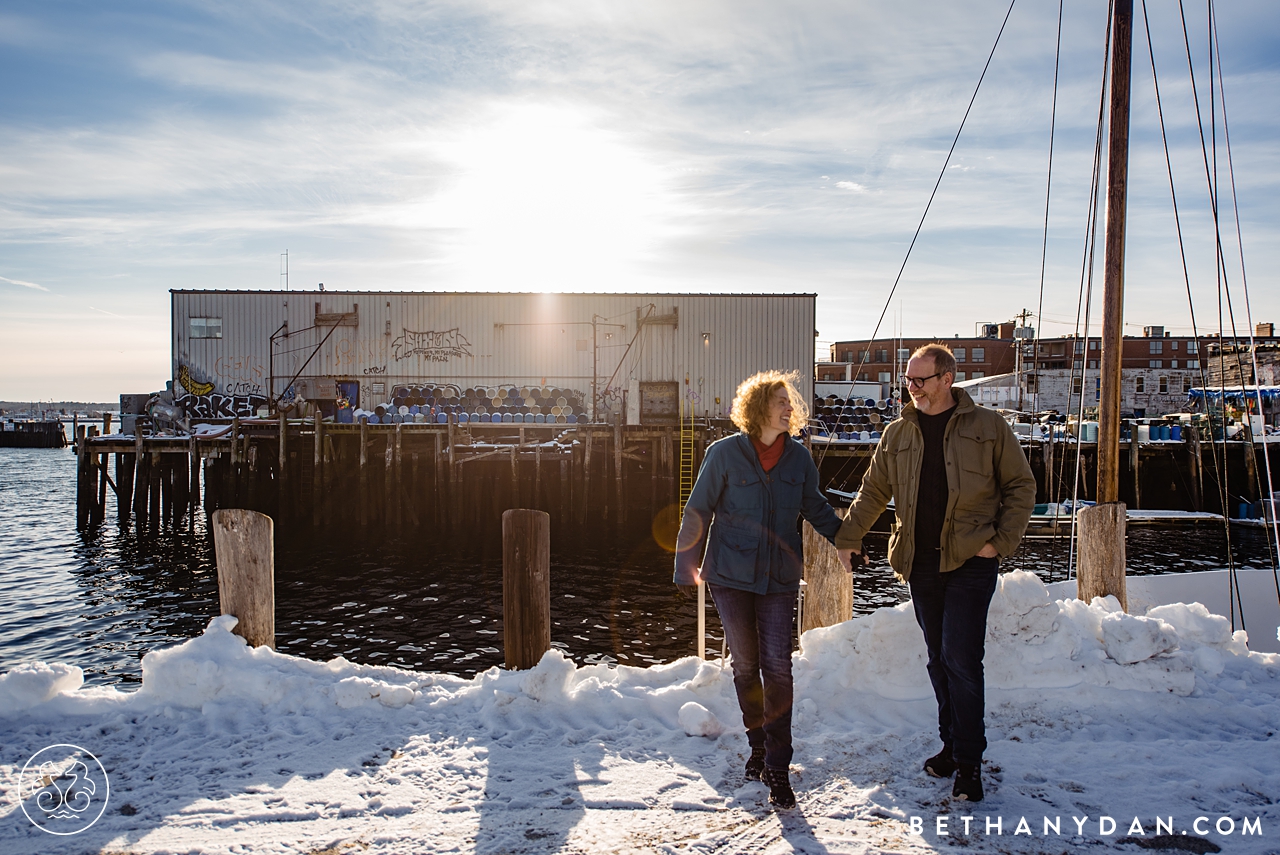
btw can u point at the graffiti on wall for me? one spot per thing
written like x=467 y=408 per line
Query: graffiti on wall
x=432 y=346
x=246 y=369
x=190 y=384
x=216 y=406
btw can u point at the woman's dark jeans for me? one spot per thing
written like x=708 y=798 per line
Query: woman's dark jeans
x=951 y=608
x=759 y=628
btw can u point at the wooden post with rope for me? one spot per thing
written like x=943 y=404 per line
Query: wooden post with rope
x=526 y=586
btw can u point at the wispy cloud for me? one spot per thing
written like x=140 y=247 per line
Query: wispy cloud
x=23 y=283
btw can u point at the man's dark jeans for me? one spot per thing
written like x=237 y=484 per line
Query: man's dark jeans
x=951 y=608
x=759 y=629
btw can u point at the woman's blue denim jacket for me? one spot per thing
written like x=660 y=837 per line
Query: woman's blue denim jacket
x=747 y=520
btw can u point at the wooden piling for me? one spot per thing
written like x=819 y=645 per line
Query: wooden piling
x=193 y=461
x=232 y=494
x=437 y=504
x=397 y=514
x=388 y=485
x=620 y=509
x=82 y=477
x=125 y=464
x=526 y=586
x=1197 y=483
x=317 y=487
x=141 y=479
x=244 y=545
x=166 y=487
x=1135 y=463
x=363 y=498
x=153 y=490
x=1100 y=562
x=828 y=596
x=282 y=468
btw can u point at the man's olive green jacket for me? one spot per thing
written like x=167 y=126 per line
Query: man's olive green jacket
x=990 y=489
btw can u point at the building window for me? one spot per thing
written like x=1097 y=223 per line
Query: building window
x=206 y=327
x=1164 y=385
x=1093 y=363
x=1079 y=347
x=1157 y=346
x=959 y=353
x=959 y=376
x=862 y=356
x=1076 y=385
x=863 y=377
x=904 y=353
x=1193 y=347
x=1173 y=363
x=848 y=356
x=1186 y=383
x=1093 y=345
x=974 y=375
x=886 y=377
x=1193 y=363
x=1173 y=345
x=1155 y=363
x=882 y=356
x=1031 y=382
x=1139 y=384
x=979 y=354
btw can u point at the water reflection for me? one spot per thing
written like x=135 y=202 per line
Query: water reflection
x=100 y=600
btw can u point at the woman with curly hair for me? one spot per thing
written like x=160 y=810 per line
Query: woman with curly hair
x=740 y=535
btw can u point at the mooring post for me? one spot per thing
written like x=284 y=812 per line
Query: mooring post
x=828 y=596
x=1101 y=550
x=537 y=474
x=244 y=545
x=1046 y=453
x=166 y=488
x=526 y=586
x=397 y=496
x=106 y=423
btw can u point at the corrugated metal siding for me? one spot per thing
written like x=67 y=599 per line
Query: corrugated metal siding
x=492 y=339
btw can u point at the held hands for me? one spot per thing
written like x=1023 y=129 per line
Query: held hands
x=848 y=556
x=690 y=591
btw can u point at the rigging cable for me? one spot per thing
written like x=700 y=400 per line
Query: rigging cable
x=1235 y=598
x=1085 y=299
x=1044 y=245
x=889 y=300
x=1253 y=346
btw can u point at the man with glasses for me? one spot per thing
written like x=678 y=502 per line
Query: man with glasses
x=963 y=493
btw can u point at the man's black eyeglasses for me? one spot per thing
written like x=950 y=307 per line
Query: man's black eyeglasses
x=917 y=382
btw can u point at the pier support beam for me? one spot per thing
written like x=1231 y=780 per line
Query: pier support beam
x=244 y=544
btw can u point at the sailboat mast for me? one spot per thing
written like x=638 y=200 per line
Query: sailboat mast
x=1113 y=281
x=1101 y=558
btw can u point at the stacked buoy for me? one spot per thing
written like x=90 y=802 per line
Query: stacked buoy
x=507 y=404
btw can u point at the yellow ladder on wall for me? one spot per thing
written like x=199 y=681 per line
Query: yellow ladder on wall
x=686 y=452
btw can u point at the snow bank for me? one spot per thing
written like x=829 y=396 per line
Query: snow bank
x=1033 y=642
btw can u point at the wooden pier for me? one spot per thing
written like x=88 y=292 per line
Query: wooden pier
x=396 y=479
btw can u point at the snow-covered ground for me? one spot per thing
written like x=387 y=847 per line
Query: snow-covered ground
x=1092 y=714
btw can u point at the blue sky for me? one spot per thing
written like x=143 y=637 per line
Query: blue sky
x=567 y=145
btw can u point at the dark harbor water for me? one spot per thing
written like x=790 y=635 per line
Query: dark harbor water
x=101 y=600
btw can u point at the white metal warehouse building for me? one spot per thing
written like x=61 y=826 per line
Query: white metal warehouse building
x=233 y=351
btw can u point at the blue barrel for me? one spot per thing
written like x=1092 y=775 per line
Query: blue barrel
x=441 y=418
x=462 y=418
x=571 y=419
x=1176 y=433
x=484 y=417
x=875 y=435
x=539 y=418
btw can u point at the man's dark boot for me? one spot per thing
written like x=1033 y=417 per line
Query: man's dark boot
x=780 y=794
x=755 y=763
x=941 y=765
x=968 y=785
